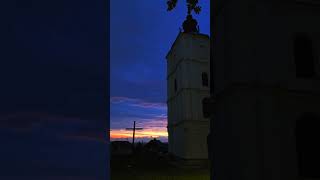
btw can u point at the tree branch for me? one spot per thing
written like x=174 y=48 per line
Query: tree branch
x=191 y=5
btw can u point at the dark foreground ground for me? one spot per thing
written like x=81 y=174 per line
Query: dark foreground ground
x=151 y=166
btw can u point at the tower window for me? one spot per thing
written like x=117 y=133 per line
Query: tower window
x=175 y=85
x=304 y=57
x=205 y=79
x=307 y=136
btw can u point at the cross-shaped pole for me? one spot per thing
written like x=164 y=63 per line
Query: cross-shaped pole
x=134 y=131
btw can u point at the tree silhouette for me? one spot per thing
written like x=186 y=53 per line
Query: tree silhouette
x=192 y=5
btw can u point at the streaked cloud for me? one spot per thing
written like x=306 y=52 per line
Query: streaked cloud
x=142 y=135
x=137 y=102
x=65 y=127
x=151 y=129
x=151 y=116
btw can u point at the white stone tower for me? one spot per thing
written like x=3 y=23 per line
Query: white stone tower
x=188 y=84
x=266 y=69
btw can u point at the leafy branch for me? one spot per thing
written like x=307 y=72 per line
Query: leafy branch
x=192 y=5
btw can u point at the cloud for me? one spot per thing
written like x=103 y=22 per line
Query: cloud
x=151 y=116
x=151 y=129
x=27 y=119
x=65 y=127
x=155 y=123
x=89 y=136
x=125 y=110
x=137 y=103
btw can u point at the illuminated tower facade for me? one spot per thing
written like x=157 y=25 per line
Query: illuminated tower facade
x=188 y=83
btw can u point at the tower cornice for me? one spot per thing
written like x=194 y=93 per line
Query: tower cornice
x=181 y=34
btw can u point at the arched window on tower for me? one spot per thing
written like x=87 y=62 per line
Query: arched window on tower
x=307 y=148
x=205 y=79
x=304 y=57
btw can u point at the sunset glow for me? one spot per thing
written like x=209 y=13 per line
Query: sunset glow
x=120 y=134
x=151 y=116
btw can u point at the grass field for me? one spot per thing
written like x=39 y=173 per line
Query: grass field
x=162 y=177
x=149 y=166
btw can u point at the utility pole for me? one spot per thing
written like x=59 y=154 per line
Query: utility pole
x=134 y=131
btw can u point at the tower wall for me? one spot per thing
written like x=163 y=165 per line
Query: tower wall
x=257 y=93
x=187 y=128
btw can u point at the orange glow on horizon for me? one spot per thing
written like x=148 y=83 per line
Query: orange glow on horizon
x=147 y=133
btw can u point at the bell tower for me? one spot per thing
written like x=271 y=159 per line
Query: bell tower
x=266 y=67
x=188 y=83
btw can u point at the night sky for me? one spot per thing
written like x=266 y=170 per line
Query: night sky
x=54 y=89
x=142 y=33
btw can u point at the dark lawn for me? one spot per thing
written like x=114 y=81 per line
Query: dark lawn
x=150 y=166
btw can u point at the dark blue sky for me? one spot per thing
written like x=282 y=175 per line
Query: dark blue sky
x=54 y=93
x=141 y=35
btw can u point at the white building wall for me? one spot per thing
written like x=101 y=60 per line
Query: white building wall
x=187 y=59
x=258 y=97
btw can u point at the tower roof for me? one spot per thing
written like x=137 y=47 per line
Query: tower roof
x=181 y=35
